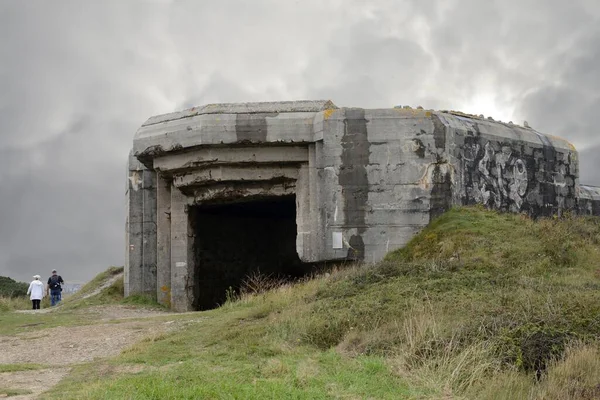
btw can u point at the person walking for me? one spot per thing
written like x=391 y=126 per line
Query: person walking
x=55 y=288
x=36 y=289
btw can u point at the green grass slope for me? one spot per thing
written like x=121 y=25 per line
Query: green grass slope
x=479 y=305
x=106 y=288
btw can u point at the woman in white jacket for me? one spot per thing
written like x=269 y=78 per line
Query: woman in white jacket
x=36 y=288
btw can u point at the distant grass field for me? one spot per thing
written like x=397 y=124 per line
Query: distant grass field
x=479 y=305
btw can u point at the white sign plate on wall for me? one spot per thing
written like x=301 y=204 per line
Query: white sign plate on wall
x=337 y=240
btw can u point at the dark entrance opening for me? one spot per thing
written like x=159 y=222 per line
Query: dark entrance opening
x=235 y=240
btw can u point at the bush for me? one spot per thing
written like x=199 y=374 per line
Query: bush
x=531 y=347
x=11 y=288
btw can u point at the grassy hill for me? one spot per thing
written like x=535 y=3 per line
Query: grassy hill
x=479 y=305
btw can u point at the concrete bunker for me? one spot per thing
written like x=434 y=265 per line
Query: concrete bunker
x=234 y=240
x=219 y=191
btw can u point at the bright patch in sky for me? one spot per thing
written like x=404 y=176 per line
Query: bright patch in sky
x=487 y=105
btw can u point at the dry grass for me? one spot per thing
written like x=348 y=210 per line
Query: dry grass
x=258 y=283
x=575 y=376
x=19 y=303
x=14 y=303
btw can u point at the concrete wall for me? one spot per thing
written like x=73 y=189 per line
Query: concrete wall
x=365 y=181
x=510 y=168
x=369 y=173
x=589 y=200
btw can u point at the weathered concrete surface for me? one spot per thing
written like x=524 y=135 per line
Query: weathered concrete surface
x=163 y=241
x=140 y=230
x=364 y=182
x=217 y=124
x=182 y=254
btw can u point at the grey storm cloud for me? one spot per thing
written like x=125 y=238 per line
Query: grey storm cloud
x=78 y=77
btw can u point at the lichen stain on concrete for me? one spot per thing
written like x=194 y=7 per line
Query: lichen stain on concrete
x=328 y=113
x=418 y=148
x=433 y=171
x=135 y=178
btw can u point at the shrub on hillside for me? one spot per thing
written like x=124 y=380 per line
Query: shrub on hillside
x=11 y=288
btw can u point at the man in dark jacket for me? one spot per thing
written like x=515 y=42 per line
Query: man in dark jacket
x=55 y=288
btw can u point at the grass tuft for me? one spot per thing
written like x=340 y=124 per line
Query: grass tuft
x=10 y=392
x=21 y=367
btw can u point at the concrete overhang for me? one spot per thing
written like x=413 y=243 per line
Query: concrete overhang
x=171 y=164
x=238 y=191
x=228 y=124
x=212 y=175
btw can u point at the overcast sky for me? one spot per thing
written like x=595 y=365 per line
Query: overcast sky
x=78 y=77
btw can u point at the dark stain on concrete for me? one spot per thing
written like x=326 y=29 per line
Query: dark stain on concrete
x=548 y=167
x=441 y=193
x=353 y=177
x=252 y=128
x=595 y=207
x=420 y=151
x=439 y=132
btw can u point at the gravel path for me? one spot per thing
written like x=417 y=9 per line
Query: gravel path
x=63 y=347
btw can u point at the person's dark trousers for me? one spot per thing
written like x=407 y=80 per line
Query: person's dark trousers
x=55 y=297
x=36 y=304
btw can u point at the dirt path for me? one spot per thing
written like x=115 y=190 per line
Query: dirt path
x=62 y=347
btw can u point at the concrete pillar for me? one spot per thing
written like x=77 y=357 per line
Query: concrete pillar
x=163 y=241
x=303 y=214
x=310 y=233
x=140 y=261
x=317 y=237
x=182 y=254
